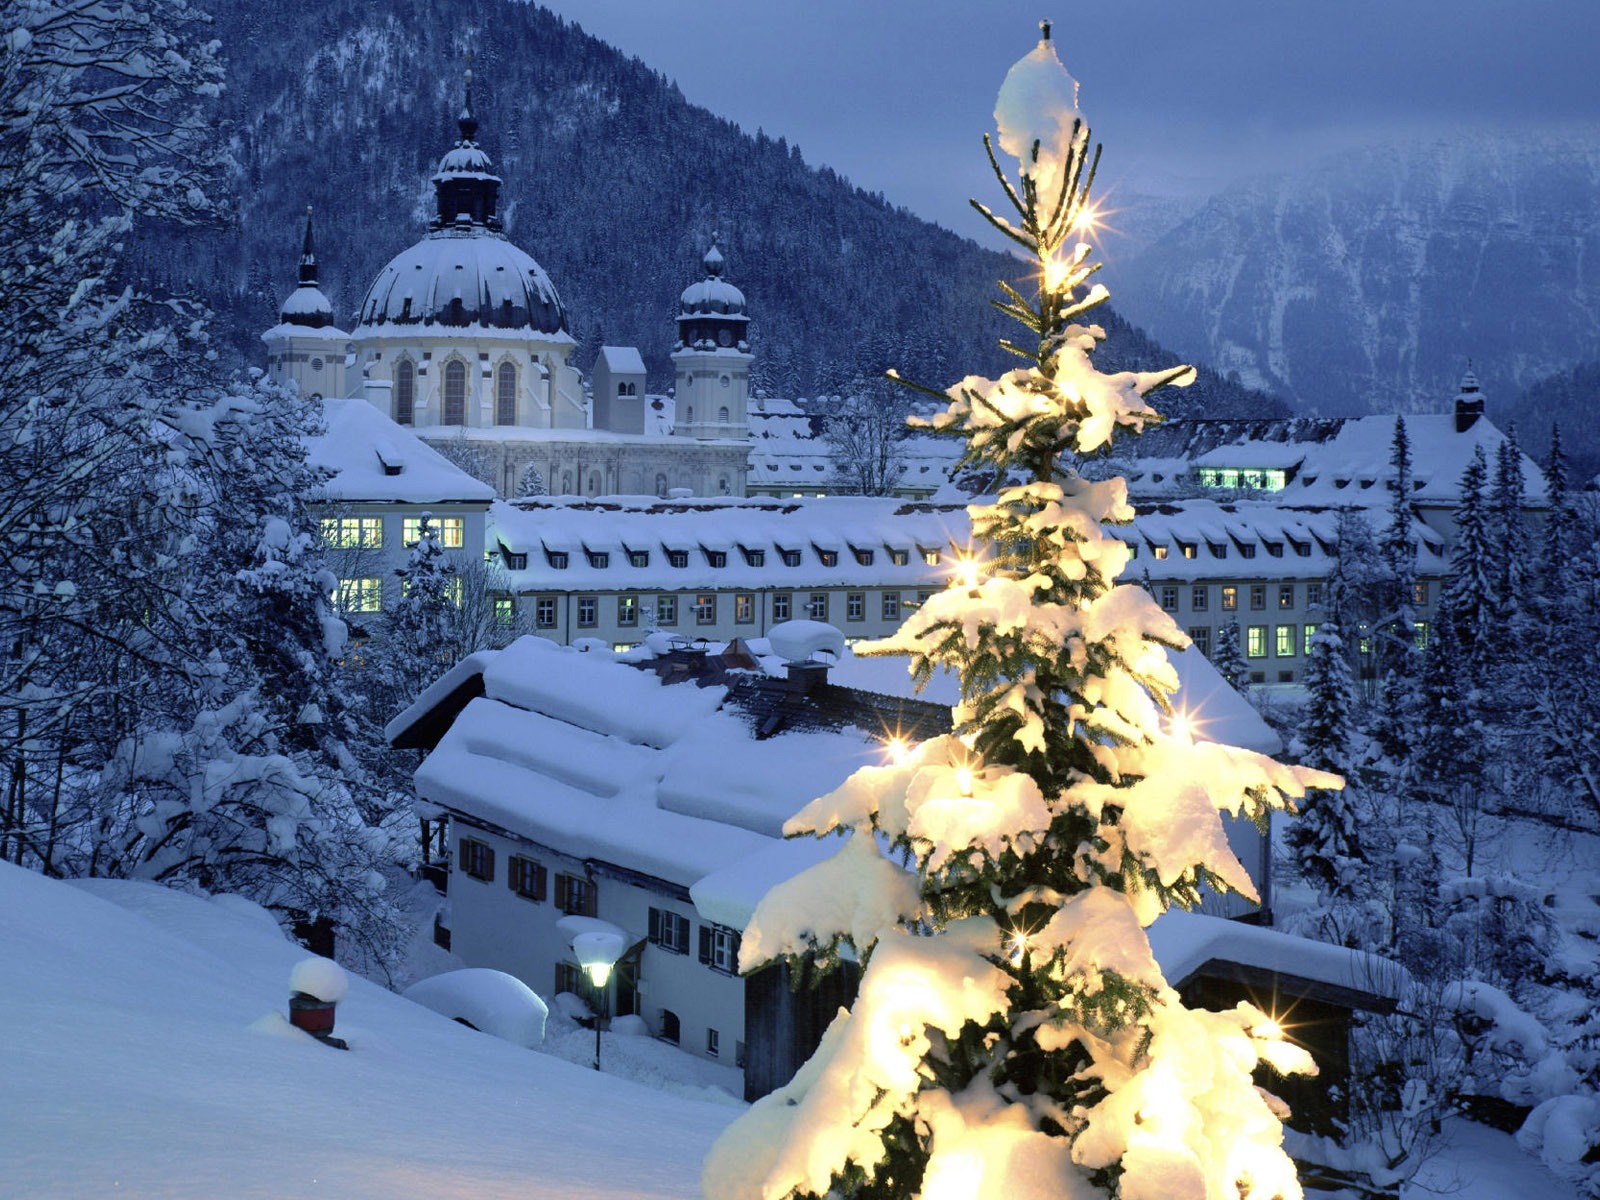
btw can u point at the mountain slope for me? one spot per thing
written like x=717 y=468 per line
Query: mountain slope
x=612 y=181
x=1366 y=283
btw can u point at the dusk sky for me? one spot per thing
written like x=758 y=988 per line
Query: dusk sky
x=895 y=94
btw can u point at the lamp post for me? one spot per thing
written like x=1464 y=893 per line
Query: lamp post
x=597 y=953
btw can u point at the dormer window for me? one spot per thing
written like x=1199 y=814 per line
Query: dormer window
x=1218 y=550
x=638 y=558
x=1187 y=549
x=557 y=559
x=863 y=557
x=930 y=555
x=677 y=558
x=1274 y=549
x=899 y=557
x=716 y=558
x=754 y=558
x=1159 y=551
x=598 y=559
x=828 y=558
x=791 y=558
x=1247 y=550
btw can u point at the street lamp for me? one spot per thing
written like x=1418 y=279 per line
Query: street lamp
x=597 y=953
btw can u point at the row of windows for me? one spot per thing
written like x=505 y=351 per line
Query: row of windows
x=718 y=945
x=366 y=533
x=365 y=595
x=455 y=393
x=1283 y=640
x=560 y=560
x=528 y=878
x=704 y=608
x=1258 y=594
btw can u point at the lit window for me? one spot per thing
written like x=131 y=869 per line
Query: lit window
x=780 y=606
x=1187 y=549
x=705 y=608
x=1256 y=642
x=855 y=606
x=1286 y=595
x=899 y=557
x=666 y=610
x=450 y=531
x=1422 y=635
x=1419 y=594
x=930 y=557
x=627 y=610
x=588 y=612
x=544 y=612
x=1230 y=597
x=1199 y=597
x=352 y=533
x=744 y=608
x=817 y=606
x=828 y=558
x=1159 y=551
x=505 y=611
x=360 y=595
x=1307 y=634
x=891 y=606
x=1285 y=641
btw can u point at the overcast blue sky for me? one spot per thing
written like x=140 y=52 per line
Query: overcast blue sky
x=1185 y=94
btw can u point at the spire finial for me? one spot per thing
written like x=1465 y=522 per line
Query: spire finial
x=308 y=255
x=467 y=121
x=1044 y=29
x=713 y=260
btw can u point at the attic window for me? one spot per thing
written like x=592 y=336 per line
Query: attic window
x=638 y=558
x=863 y=557
x=930 y=555
x=677 y=558
x=754 y=558
x=828 y=558
x=1247 y=550
x=1159 y=551
x=1274 y=549
x=514 y=561
x=791 y=558
x=557 y=559
x=1187 y=549
x=715 y=558
x=899 y=557
x=1301 y=549
x=1218 y=550
x=598 y=559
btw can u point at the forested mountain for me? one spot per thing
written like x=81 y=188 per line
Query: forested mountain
x=1569 y=399
x=1367 y=282
x=612 y=181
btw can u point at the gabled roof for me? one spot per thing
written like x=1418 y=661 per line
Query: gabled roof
x=376 y=460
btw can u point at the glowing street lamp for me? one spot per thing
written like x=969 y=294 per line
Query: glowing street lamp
x=597 y=953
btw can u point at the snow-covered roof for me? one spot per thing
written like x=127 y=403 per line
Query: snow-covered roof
x=622 y=360
x=466 y=278
x=601 y=761
x=787 y=451
x=375 y=460
x=748 y=536
x=1331 y=461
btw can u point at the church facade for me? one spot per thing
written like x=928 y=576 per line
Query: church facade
x=463 y=339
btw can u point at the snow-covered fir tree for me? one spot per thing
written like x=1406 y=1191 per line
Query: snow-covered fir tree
x=1473 y=583
x=1228 y=657
x=1013 y=1036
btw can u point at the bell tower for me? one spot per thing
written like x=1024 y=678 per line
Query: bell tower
x=712 y=361
x=305 y=348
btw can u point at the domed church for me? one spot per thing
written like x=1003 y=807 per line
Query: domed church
x=463 y=338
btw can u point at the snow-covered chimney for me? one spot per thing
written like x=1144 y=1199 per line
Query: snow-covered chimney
x=316 y=985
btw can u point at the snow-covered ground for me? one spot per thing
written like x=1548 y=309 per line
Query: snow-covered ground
x=136 y=1062
x=142 y=1056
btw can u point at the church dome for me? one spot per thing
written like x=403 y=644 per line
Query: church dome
x=713 y=295
x=464 y=273
x=464 y=276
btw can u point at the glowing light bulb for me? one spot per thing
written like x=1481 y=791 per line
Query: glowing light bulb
x=1179 y=726
x=1268 y=1029
x=1019 y=945
x=966 y=571
x=1088 y=219
x=964 y=780
x=1055 y=274
x=898 y=749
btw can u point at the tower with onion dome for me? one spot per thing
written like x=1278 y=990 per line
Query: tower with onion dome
x=305 y=348
x=712 y=361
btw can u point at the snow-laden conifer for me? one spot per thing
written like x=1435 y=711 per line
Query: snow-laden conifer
x=1013 y=1036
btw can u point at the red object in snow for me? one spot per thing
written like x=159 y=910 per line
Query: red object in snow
x=310 y=1014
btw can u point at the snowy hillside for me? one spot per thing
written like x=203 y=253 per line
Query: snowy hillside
x=137 y=1063
x=1367 y=282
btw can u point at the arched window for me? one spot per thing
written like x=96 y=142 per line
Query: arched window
x=722 y=414
x=622 y=389
x=505 y=398
x=455 y=393
x=405 y=393
x=688 y=416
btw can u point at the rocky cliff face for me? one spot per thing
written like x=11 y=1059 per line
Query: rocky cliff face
x=1366 y=283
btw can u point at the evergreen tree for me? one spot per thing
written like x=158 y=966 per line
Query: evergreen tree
x=531 y=482
x=1513 y=559
x=1394 y=630
x=1326 y=838
x=1471 y=589
x=1013 y=1035
x=1555 y=566
x=1228 y=657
